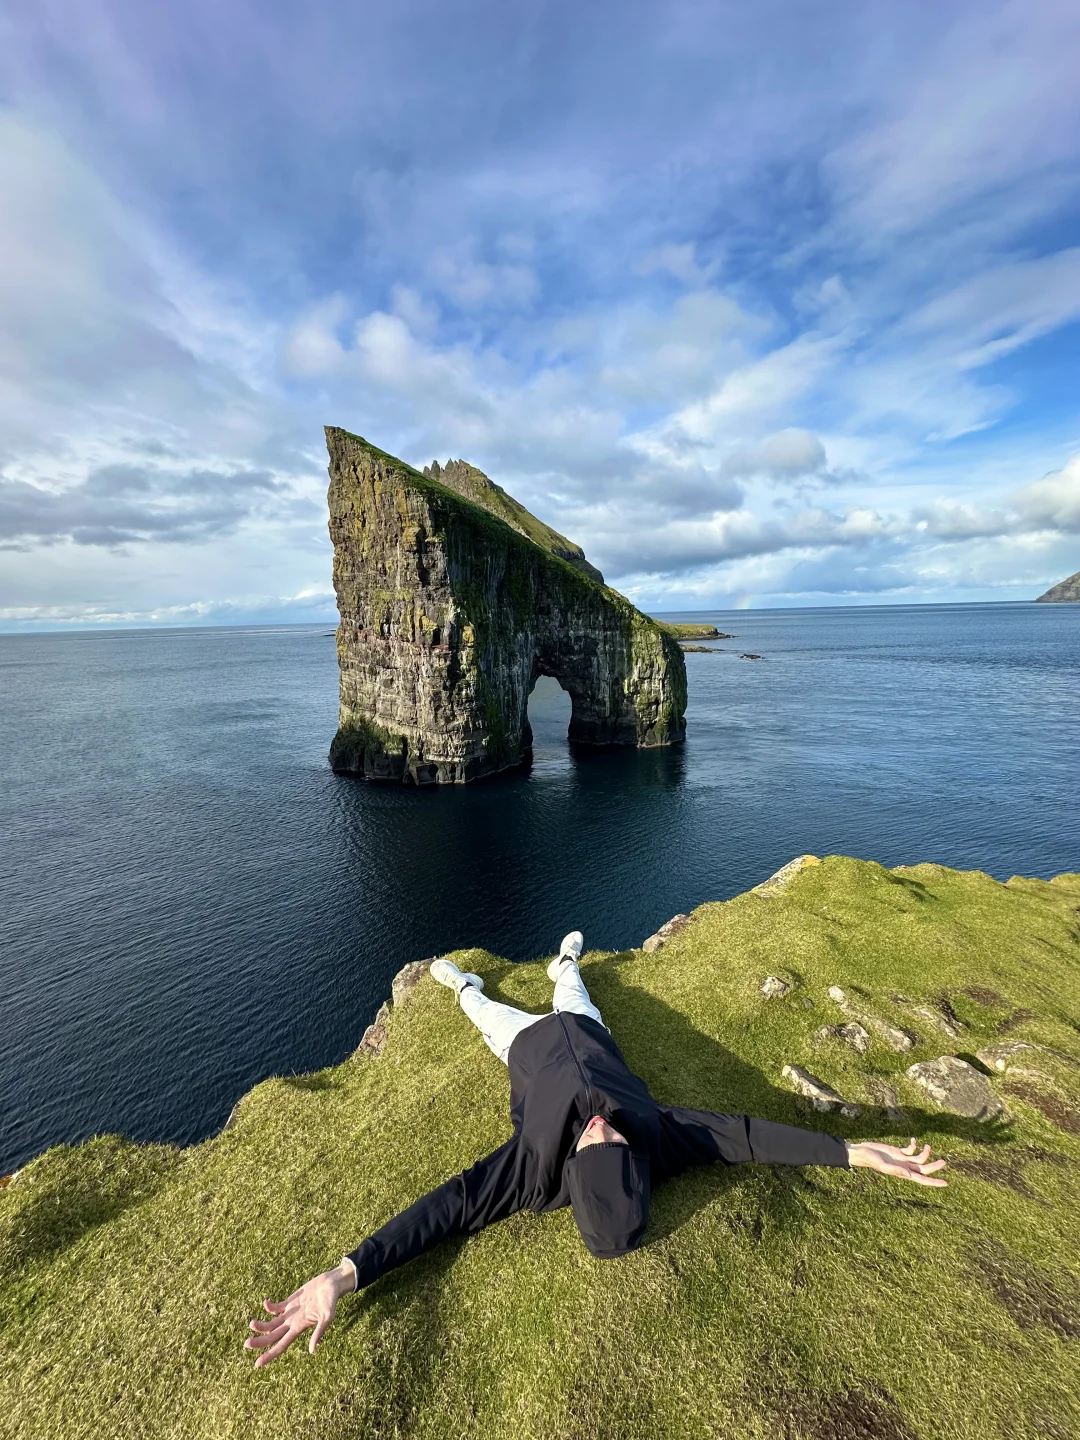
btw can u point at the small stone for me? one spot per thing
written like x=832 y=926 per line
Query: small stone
x=999 y=1057
x=820 y=1095
x=774 y=987
x=826 y=1032
x=673 y=926
x=855 y=1035
x=669 y=929
x=807 y=1003
x=884 y=1095
x=899 y=1040
x=938 y=1020
x=957 y=1087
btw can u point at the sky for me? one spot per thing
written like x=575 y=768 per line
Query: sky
x=764 y=305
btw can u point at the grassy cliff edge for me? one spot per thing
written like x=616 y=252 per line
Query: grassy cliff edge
x=766 y=1303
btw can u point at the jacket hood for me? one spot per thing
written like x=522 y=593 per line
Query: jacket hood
x=609 y=1191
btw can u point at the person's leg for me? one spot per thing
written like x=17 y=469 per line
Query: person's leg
x=570 y=993
x=500 y=1025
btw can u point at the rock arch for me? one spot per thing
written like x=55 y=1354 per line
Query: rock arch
x=449 y=612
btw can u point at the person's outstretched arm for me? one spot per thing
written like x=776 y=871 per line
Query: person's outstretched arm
x=701 y=1137
x=487 y=1192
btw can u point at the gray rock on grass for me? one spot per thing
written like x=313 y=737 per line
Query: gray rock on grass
x=899 y=1040
x=820 y=1095
x=774 y=988
x=883 y=1095
x=855 y=1035
x=665 y=933
x=937 y=1019
x=957 y=1087
x=852 y=1034
x=1000 y=1057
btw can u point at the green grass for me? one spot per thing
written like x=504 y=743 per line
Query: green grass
x=681 y=631
x=767 y=1303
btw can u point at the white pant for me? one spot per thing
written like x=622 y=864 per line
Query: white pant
x=500 y=1025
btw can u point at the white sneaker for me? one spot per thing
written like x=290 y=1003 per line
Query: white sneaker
x=448 y=974
x=570 y=949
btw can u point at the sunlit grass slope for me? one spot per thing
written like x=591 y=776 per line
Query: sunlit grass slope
x=820 y=1304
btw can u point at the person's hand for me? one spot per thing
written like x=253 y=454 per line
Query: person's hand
x=904 y=1163
x=313 y=1304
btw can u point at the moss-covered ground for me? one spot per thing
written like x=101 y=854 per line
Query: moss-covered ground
x=681 y=630
x=768 y=1303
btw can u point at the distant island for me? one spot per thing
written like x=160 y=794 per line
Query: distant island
x=692 y=632
x=1065 y=590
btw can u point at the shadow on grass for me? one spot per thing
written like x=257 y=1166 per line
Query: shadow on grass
x=78 y=1189
x=683 y=1066
x=407 y=1349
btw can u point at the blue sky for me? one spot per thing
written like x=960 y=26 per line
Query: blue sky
x=764 y=305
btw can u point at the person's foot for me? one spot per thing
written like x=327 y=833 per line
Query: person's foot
x=448 y=974
x=570 y=949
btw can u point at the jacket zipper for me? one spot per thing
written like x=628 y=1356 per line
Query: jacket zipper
x=577 y=1062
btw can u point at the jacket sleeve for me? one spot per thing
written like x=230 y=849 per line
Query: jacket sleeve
x=488 y=1191
x=700 y=1137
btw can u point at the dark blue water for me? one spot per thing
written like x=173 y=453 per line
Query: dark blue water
x=191 y=901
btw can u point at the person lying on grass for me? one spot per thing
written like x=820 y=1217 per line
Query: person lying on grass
x=586 y=1133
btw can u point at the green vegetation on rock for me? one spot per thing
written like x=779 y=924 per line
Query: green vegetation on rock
x=467 y=480
x=689 y=631
x=807 y=1305
x=449 y=614
x=1064 y=590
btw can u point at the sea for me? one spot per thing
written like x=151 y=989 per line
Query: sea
x=191 y=901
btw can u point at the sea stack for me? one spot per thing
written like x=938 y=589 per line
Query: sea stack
x=453 y=600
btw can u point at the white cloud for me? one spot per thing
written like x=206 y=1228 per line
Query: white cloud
x=680 y=263
x=312 y=346
x=837 y=402
x=992 y=108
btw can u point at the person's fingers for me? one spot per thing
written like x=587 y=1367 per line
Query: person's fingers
x=920 y=1179
x=910 y=1148
x=276 y=1307
x=933 y=1166
x=923 y=1155
x=264 y=1325
x=259 y=1342
x=279 y=1349
x=318 y=1333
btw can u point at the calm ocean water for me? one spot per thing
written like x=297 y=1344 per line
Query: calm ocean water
x=191 y=901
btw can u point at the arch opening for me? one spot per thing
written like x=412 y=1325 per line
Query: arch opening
x=548 y=719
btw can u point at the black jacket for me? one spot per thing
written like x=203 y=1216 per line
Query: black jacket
x=563 y=1070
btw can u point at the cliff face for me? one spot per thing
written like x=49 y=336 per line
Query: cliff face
x=449 y=615
x=1065 y=590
